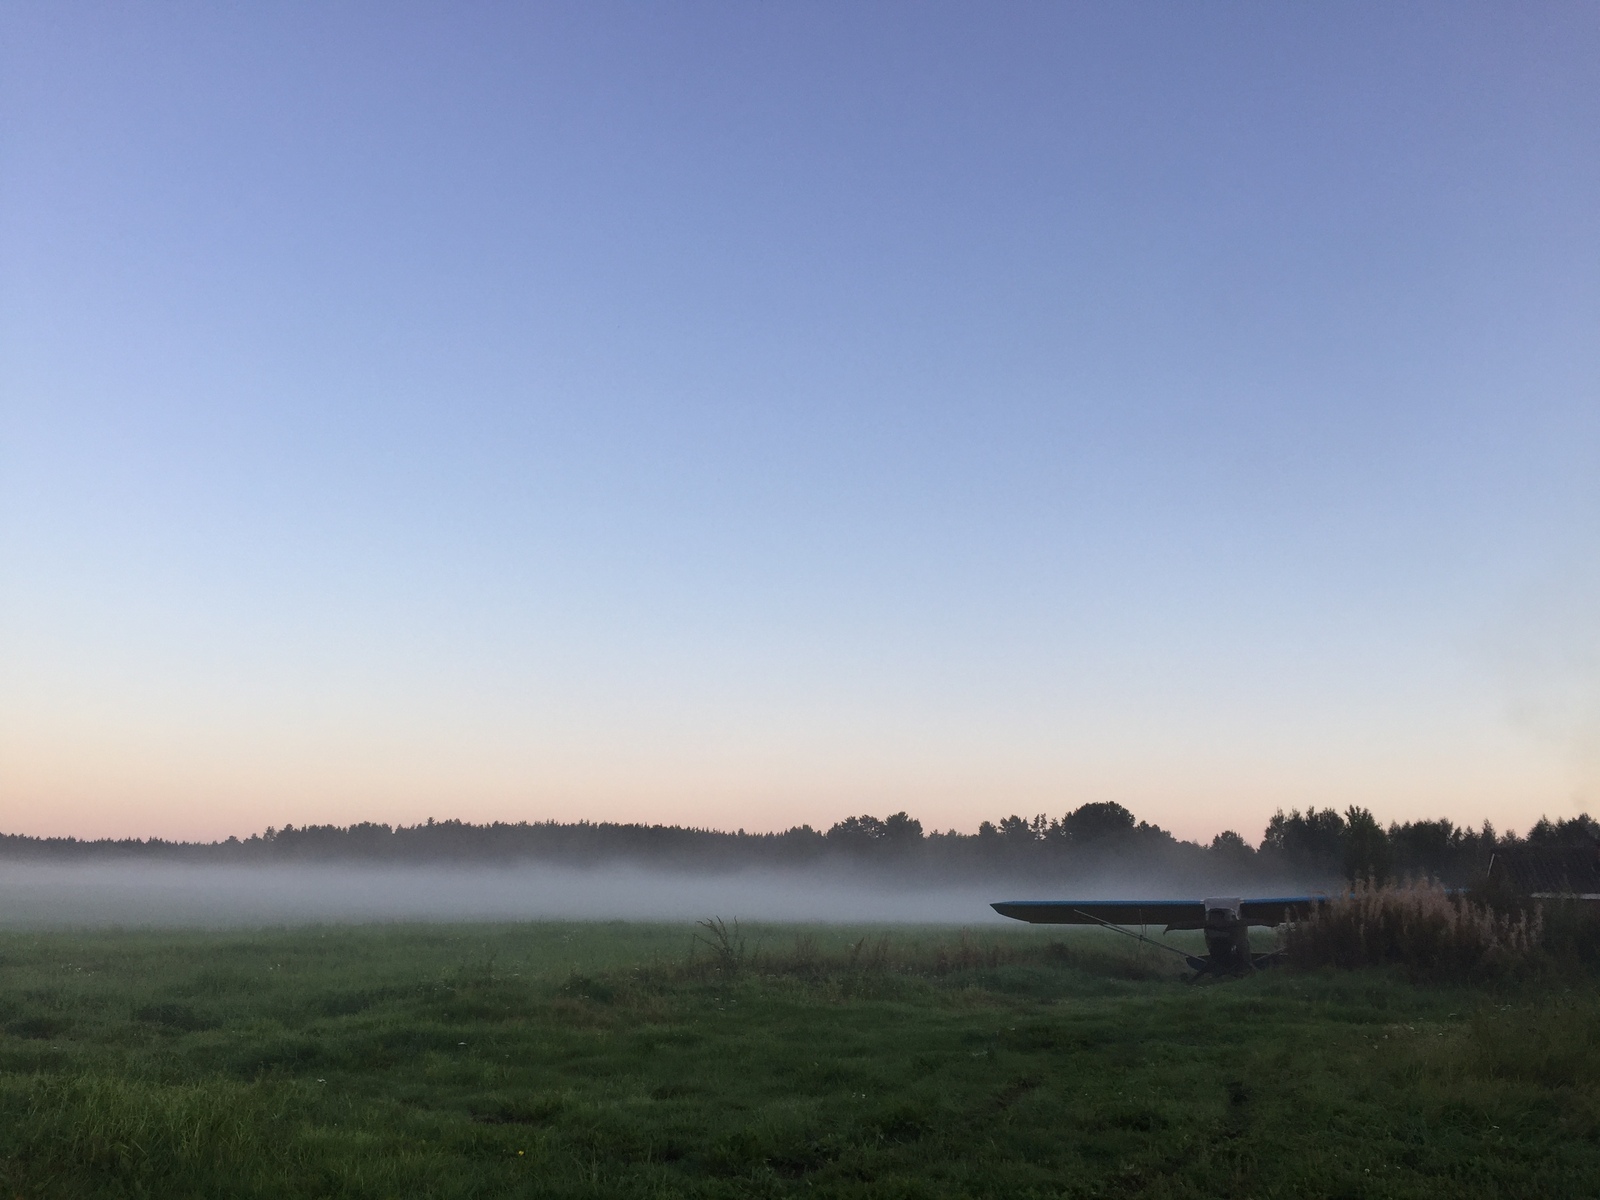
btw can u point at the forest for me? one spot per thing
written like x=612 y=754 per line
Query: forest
x=1317 y=844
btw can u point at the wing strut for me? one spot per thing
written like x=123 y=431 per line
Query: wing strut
x=1193 y=962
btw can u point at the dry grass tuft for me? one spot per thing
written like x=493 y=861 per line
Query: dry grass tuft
x=1420 y=926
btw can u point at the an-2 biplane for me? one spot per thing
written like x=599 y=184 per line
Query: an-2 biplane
x=1226 y=921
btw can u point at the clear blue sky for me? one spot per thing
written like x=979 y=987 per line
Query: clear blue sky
x=749 y=414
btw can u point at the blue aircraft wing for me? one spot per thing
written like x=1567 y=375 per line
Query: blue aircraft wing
x=1172 y=914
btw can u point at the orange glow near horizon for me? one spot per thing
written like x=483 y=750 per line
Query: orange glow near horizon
x=140 y=788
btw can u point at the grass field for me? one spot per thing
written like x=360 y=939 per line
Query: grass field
x=630 y=1060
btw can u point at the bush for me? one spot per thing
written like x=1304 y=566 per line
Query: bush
x=1421 y=926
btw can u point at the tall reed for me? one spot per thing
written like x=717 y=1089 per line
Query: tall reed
x=1421 y=926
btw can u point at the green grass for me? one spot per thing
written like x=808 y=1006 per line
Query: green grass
x=600 y=1060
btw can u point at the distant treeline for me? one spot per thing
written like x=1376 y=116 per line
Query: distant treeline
x=1314 y=845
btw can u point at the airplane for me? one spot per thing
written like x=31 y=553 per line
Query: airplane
x=1226 y=921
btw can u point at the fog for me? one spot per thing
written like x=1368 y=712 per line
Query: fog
x=34 y=895
x=77 y=895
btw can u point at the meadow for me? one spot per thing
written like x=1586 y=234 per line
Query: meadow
x=631 y=1059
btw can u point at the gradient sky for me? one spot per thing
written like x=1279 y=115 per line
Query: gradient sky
x=752 y=414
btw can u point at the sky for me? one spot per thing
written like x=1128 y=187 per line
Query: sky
x=747 y=415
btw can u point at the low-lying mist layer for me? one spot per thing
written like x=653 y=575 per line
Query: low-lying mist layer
x=862 y=869
x=1300 y=851
x=135 y=894
x=67 y=895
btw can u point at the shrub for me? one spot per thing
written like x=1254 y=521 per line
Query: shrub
x=1421 y=926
